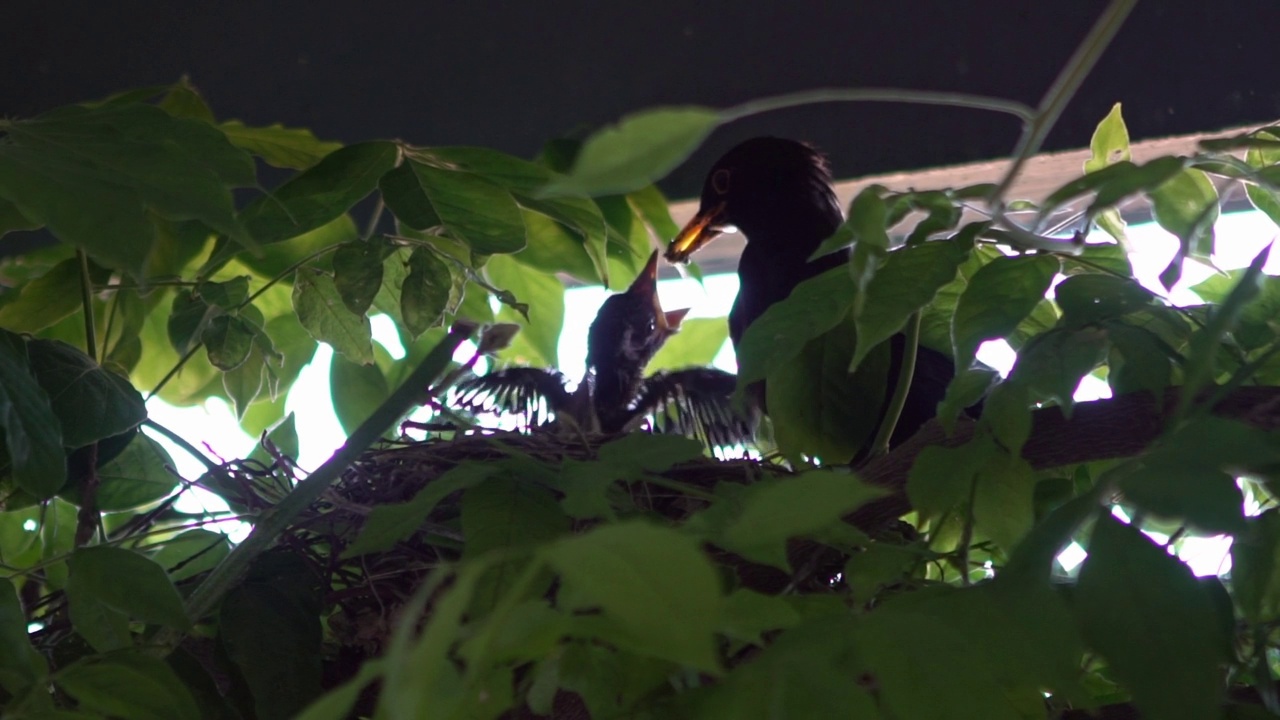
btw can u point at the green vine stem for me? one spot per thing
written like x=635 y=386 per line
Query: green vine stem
x=914 y=97
x=910 y=350
x=1063 y=89
x=273 y=522
x=86 y=297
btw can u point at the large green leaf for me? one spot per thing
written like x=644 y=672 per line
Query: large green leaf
x=30 y=425
x=108 y=585
x=1109 y=145
x=20 y=664
x=130 y=684
x=91 y=403
x=192 y=552
x=357 y=273
x=539 y=335
x=1139 y=607
x=638 y=150
x=137 y=476
x=319 y=195
x=780 y=334
x=95 y=176
x=270 y=628
x=907 y=281
x=653 y=583
x=996 y=299
x=696 y=345
x=321 y=311
x=277 y=145
x=506 y=513
x=1091 y=298
x=1052 y=365
x=474 y=210
x=357 y=390
x=775 y=511
x=45 y=300
x=1255 y=567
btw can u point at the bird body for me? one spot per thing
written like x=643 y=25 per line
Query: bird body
x=779 y=194
x=614 y=395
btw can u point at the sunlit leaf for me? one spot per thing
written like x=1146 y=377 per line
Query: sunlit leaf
x=277 y=145
x=776 y=337
x=544 y=294
x=321 y=311
x=696 y=345
x=638 y=150
x=997 y=298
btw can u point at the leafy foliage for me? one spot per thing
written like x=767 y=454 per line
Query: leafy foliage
x=181 y=276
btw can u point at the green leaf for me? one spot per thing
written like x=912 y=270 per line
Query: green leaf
x=227 y=339
x=357 y=390
x=1002 y=504
x=45 y=300
x=1110 y=141
x=965 y=389
x=653 y=583
x=184 y=101
x=1052 y=365
x=129 y=685
x=424 y=294
x=1191 y=474
x=997 y=298
x=554 y=248
x=321 y=311
x=357 y=273
x=108 y=585
x=192 y=552
x=1139 y=626
x=320 y=194
x=389 y=523
x=774 y=511
x=749 y=614
x=1007 y=413
x=696 y=345
x=544 y=294
x=649 y=452
x=780 y=334
x=11 y=219
x=640 y=149
x=96 y=176
x=1138 y=360
x=243 y=384
x=817 y=407
x=270 y=628
x=866 y=226
x=651 y=205
x=475 y=211
x=20 y=665
x=30 y=425
x=1086 y=299
x=90 y=403
x=1255 y=567
x=137 y=476
x=1187 y=206
x=279 y=146
x=508 y=514
x=876 y=566
x=907 y=281
x=942 y=478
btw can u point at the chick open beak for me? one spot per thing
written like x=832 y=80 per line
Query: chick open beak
x=646 y=287
x=702 y=229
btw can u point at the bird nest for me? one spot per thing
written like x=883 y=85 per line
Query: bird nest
x=363 y=593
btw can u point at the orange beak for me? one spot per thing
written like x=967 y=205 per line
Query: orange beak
x=702 y=229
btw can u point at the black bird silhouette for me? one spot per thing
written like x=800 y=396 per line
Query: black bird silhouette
x=779 y=194
x=614 y=395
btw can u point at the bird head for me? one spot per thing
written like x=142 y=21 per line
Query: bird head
x=762 y=187
x=629 y=329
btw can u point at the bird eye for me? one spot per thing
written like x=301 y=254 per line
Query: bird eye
x=720 y=181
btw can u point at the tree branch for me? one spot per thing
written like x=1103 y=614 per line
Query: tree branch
x=1120 y=427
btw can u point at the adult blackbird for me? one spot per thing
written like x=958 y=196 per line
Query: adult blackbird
x=615 y=395
x=778 y=193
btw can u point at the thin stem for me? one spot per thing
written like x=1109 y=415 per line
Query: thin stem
x=181 y=442
x=86 y=297
x=375 y=218
x=966 y=535
x=914 y=97
x=1063 y=89
x=276 y=520
x=910 y=350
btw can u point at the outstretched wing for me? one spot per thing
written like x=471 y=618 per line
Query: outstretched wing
x=531 y=393
x=696 y=402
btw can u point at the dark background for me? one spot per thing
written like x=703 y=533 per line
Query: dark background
x=511 y=75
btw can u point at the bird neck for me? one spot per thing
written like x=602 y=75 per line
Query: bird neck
x=791 y=233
